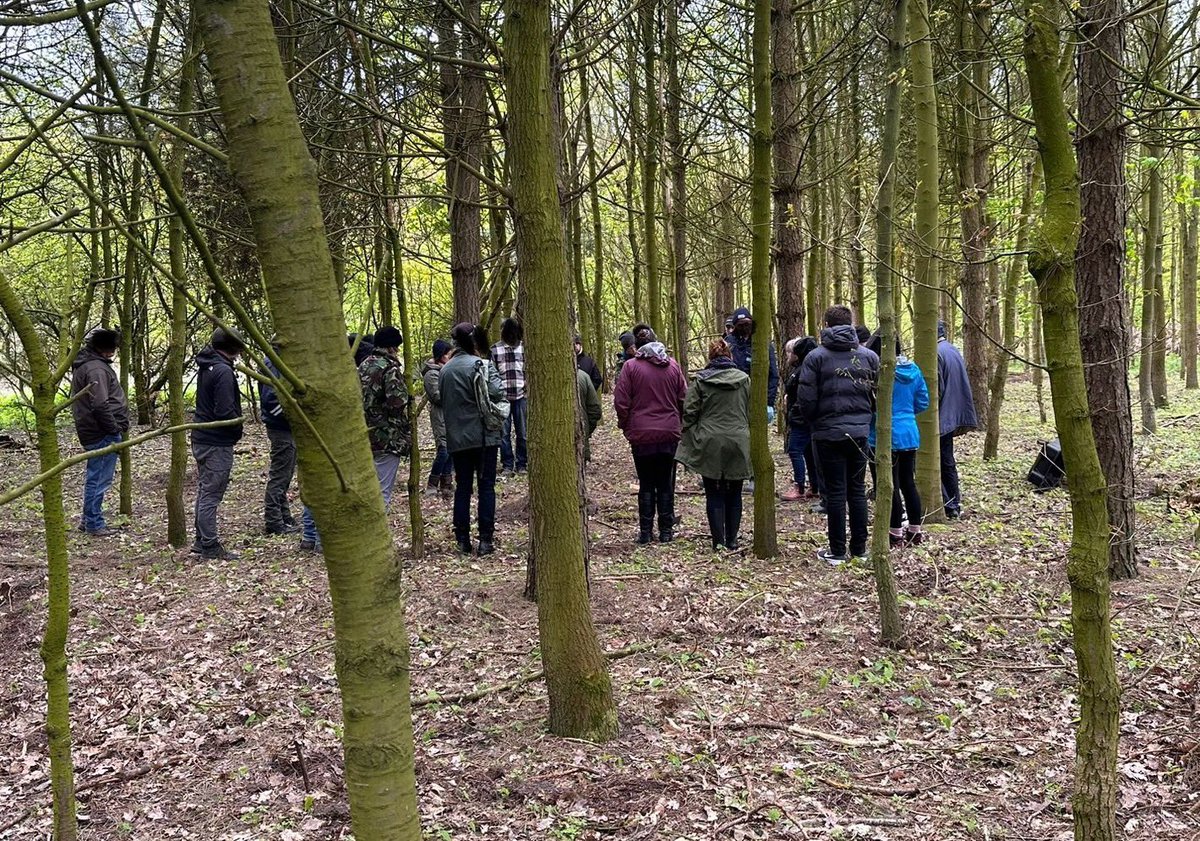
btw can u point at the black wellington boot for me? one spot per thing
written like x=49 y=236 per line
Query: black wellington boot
x=645 y=517
x=714 y=505
x=666 y=516
x=733 y=520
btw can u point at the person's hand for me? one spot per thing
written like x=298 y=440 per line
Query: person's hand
x=770 y=414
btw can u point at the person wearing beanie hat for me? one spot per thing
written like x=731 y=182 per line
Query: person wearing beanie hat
x=588 y=365
x=217 y=398
x=386 y=405
x=625 y=354
x=740 y=342
x=101 y=414
x=441 y=475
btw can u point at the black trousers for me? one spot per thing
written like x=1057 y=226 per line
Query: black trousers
x=950 y=491
x=844 y=472
x=904 y=487
x=723 y=505
x=656 y=489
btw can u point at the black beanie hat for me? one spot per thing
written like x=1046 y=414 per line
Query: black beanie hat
x=388 y=337
x=228 y=340
x=104 y=339
x=440 y=348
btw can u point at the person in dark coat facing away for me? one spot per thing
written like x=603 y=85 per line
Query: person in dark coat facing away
x=276 y=513
x=799 y=441
x=649 y=405
x=956 y=416
x=740 y=345
x=588 y=365
x=101 y=415
x=217 y=398
x=716 y=441
x=627 y=352
x=836 y=394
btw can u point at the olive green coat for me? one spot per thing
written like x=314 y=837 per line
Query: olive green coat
x=716 y=424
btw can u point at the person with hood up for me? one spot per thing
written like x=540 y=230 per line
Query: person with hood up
x=508 y=357
x=101 y=414
x=627 y=352
x=649 y=405
x=385 y=405
x=910 y=397
x=441 y=475
x=799 y=441
x=362 y=347
x=586 y=364
x=740 y=342
x=716 y=441
x=276 y=512
x=469 y=440
x=217 y=399
x=589 y=400
x=956 y=416
x=836 y=395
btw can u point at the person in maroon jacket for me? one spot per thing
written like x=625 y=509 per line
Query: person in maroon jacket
x=649 y=403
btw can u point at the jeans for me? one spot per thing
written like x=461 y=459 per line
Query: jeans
x=800 y=451
x=97 y=481
x=518 y=416
x=443 y=465
x=844 y=470
x=213 y=466
x=387 y=465
x=279 y=478
x=309 y=528
x=478 y=462
x=950 y=491
x=723 y=505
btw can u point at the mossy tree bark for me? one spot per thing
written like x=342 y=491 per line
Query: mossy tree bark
x=277 y=178
x=1052 y=263
x=926 y=296
x=760 y=282
x=890 y=624
x=577 y=680
x=648 y=20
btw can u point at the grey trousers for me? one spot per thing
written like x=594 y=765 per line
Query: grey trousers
x=387 y=465
x=279 y=478
x=213 y=466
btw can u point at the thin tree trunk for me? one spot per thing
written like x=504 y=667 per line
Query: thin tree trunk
x=678 y=185
x=647 y=15
x=636 y=130
x=891 y=625
x=1187 y=287
x=1052 y=263
x=597 y=220
x=726 y=271
x=926 y=296
x=277 y=179
x=577 y=680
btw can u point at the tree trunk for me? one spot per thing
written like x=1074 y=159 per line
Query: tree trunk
x=1012 y=284
x=647 y=15
x=1187 y=286
x=786 y=146
x=636 y=129
x=277 y=179
x=577 y=680
x=891 y=625
x=927 y=281
x=1052 y=263
x=726 y=281
x=1158 y=383
x=678 y=186
x=598 y=266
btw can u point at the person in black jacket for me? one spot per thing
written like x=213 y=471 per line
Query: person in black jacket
x=101 y=415
x=588 y=365
x=836 y=394
x=740 y=342
x=276 y=513
x=217 y=398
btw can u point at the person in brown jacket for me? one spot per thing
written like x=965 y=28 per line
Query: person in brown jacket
x=101 y=415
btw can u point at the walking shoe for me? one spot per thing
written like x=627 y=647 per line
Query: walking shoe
x=792 y=494
x=732 y=544
x=833 y=560
x=464 y=545
x=953 y=513
x=216 y=553
x=307 y=545
x=285 y=528
x=645 y=536
x=748 y=487
x=433 y=488
x=666 y=535
x=103 y=531
x=447 y=487
x=486 y=547
x=818 y=507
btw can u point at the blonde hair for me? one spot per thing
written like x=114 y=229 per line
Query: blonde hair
x=718 y=348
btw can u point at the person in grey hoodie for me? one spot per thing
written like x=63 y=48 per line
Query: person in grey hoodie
x=441 y=475
x=101 y=415
x=836 y=395
x=217 y=398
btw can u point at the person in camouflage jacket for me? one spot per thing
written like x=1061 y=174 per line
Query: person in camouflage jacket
x=386 y=406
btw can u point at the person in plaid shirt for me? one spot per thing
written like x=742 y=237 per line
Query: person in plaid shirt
x=508 y=355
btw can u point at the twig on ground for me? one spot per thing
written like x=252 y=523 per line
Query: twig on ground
x=494 y=614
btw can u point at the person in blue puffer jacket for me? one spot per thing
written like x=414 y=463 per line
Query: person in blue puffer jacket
x=910 y=397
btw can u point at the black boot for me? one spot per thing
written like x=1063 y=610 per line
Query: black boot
x=714 y=507
x=666 y=516
x=645 y=517
x=733 y=519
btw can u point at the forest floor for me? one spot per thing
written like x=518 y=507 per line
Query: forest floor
x=205 y=705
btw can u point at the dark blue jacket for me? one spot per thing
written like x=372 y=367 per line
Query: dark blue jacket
x=742 y=355
x=217 y=398
x=836 y=391
x=956 y=404
x=268 y=402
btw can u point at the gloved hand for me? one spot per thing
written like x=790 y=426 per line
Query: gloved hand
x=770 y=414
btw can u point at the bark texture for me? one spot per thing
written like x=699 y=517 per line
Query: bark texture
x=786 y=145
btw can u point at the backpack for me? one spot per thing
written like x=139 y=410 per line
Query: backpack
x=494 y=413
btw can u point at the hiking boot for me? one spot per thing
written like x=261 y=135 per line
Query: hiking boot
x=792 y=494
x=830 y=558
x=463 y=544
x=486 y=547
x=732 y=544
x=913 y=536
x=307 y=545
x=216 y=552
x=447 y=486
x=103 y=531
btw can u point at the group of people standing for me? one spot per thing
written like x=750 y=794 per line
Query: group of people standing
x=478 y=411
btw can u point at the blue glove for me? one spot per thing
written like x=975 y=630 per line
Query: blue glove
x=770 y=414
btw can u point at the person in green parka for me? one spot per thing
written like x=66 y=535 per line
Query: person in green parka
x=716 y=441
